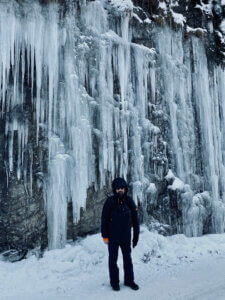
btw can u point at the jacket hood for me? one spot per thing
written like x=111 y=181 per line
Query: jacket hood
x=119 y=183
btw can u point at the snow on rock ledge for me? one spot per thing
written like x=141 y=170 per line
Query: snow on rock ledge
x=178 y=18
x=122 y=5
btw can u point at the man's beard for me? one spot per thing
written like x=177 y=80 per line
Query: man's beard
x=120 y=195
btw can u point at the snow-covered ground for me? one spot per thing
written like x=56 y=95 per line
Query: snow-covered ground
x=174 y=267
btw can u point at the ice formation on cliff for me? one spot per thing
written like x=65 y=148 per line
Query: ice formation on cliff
x=90 y=89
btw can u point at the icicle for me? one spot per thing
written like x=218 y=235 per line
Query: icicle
x=81 y=95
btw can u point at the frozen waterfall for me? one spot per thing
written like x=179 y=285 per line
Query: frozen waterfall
x=93 y=92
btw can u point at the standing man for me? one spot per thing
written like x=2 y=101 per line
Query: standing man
x=119 y=214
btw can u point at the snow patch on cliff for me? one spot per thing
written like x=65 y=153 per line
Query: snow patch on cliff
x=177 y=184
x=122 y=5
x=178 y=18
x=190 y=29
x=206 y=8
x=162 y=5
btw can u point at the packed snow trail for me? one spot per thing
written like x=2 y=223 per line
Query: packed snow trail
x=174 y=267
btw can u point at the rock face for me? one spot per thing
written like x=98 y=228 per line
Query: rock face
x=201 y=18
x=23 y=223
x=91 y=91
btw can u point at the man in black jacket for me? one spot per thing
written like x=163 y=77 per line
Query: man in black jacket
x=119 y=214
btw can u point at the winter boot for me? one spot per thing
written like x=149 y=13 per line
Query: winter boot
x=115 y=286
x=132 y=285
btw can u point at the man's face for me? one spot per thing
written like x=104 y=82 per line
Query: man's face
x=120 y=192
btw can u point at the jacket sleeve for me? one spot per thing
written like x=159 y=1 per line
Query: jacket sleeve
x=105 y=218
x=135 y=221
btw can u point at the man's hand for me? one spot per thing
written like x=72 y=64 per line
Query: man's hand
x=106 y=240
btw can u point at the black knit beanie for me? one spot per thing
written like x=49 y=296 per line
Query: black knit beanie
x=119 y=183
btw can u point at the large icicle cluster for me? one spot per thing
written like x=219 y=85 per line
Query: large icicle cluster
x=91 y=91
x=195 y=94
x=91 y=131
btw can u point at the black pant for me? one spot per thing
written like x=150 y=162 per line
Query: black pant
x=127 y=262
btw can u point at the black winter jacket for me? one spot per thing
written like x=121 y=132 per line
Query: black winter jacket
x=118 y=216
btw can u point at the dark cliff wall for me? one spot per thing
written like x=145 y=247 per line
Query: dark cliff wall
x=197 y=16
